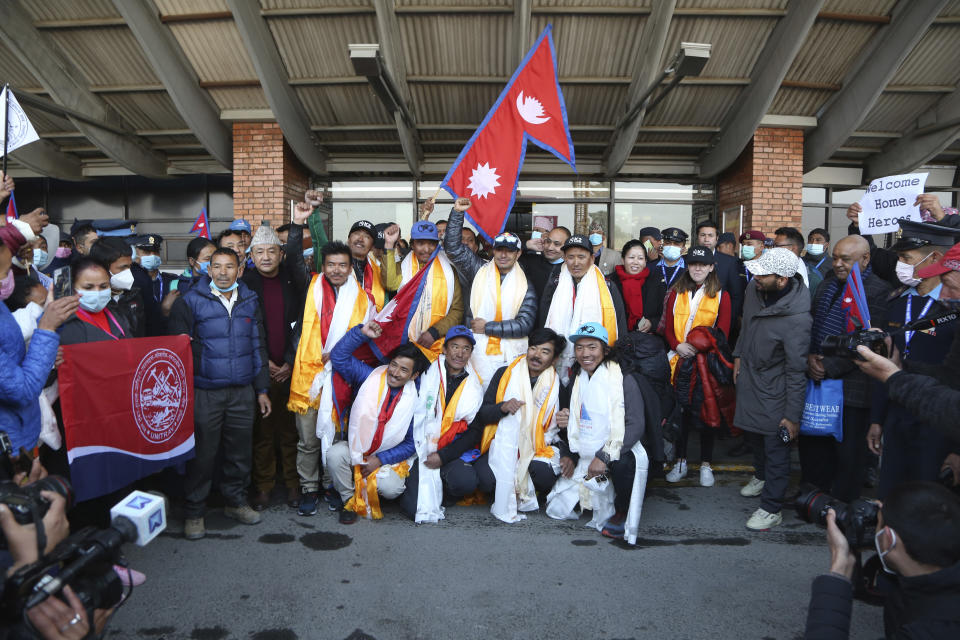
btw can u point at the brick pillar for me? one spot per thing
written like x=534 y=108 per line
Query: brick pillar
x=266 y=174
x=767 y=179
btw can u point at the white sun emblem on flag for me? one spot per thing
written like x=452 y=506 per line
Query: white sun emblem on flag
x=484 y=180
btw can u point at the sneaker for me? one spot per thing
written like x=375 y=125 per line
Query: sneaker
x=243 y=514
x=679 y=471
x=706 y=475
x=333 y=499
x=129 y=577
x=308 y=504
x=193 y=529
x=347 y=516
x=753 y=488
x=614 y=527
x=762 y=520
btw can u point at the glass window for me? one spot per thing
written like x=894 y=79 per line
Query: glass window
x=87 y=200
x=848 y=196
x=813 y=218
x=386 y=190
x=558 y=190
x=663 y=191
x=427 y=190
x=814 y=195
x=630 y=217
x=838 y=223
x=346 y=213
x=165 y=199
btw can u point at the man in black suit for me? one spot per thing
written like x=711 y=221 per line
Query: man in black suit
x=726 y=267
x=154 y=284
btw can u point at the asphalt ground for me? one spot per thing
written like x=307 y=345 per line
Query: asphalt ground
x=696 y=572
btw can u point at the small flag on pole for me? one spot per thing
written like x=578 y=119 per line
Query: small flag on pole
x=854 y=302
x=201 y=225
x=12 y=209
x=18 y=131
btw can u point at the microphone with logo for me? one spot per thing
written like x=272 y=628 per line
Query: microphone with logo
x=85 y=561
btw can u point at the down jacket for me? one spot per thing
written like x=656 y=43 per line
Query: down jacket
x=704 y=383
x=228 y=349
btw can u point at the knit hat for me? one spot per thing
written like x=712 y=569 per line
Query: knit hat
x=265 y=235
x=777 y=261
x=13 y=235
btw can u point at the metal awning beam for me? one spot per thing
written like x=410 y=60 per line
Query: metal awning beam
x=46 y=159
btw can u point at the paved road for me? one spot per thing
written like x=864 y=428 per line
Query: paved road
x=697 y=572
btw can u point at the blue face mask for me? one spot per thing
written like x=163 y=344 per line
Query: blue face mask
x=596 y=239
x=748 y=252
x=150 y=263
x=227 y=290
x=94 y=301
x=815 y=249
x=39 y=258
x=203 y=266
x=671 y=253
x=308 y=253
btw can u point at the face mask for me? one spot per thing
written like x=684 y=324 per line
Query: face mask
x=308 y=253
x=748 y=252
x=63 y=252
x=905 y=274
x=557 y=261
x=882 y=554
x=671 y=253
x=227 y=290
x=150 y=263
x=6 y=285
x=596 y=239
x=203 y=266
x=39 y=257
x=122 y=280
x=815 y=249
x=94 y=301
x=536 y=235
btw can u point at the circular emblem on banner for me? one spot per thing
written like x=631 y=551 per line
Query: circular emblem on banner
x=159 y=395
x=18 y=128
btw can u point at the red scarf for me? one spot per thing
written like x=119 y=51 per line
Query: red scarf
x=632 y=294
x=386 y=412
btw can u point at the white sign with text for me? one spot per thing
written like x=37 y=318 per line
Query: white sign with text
x=887 y=200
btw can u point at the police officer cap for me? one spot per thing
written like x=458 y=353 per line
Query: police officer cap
x=147 y=241
x=672 y=234
x=914 y=235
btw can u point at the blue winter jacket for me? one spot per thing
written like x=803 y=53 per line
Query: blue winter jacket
x=355 y=371
x=23 y=372
x=228 y=350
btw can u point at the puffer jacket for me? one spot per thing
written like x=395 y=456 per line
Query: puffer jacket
x=704 y=383
x=773 y=349
x=467 y=264
x=228 y=349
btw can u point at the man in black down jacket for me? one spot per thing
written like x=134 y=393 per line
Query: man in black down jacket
x=918 y=539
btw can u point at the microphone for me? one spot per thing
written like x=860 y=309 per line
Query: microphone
x=145 y=511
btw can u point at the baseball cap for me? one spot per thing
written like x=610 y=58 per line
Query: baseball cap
x=699 y=254
x=379 y=242
x=460 y=331
x=507 y=241
x=241 y=225
x=651 y=232
x=364 y=225
x=777 y=261
x=590 y=330
x=425 y=230
x=674 y=234
x=753 y=234
x=949 y=262
x=578 y=241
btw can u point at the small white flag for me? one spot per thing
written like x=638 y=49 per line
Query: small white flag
x=18 y=131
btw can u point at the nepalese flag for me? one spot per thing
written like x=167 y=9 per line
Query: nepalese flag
x=531 y=108
x=12 y=209
x=854 y=302
x=202 y=225
x=394 y=319
x=127 y=410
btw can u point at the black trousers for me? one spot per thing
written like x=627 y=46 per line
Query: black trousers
x=707 y=435
x=541 y=473
x=771 y=463
x=459 y=479
x=835 y=467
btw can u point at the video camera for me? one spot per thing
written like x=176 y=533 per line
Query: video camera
x=845 y=346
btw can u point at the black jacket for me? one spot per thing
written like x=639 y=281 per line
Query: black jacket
x=726 y=268
x=155 y=321
x=547 y=299
x=293 y=279
x=538 y=269
x=650 y=294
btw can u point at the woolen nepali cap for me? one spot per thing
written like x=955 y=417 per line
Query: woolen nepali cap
x=651 y=232
x=578 y=241
x=753 y=234
x=240 y=225
x=507 y=241
x=265 y=235
x=777 y=261
x=590 y=330
x=364 y=225
x=699 y=255
x=460 y=331
x=673 y=234
x=424 y=230
x=914 y=235
x=949 y=262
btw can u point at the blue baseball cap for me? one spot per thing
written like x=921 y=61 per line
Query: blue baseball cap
x=591 y=330
x=425 y=230
x=460 y=331
x=241 y=225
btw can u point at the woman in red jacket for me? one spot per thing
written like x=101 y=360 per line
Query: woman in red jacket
x=696 y=300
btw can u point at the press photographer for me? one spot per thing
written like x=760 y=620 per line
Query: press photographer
x=917 y=538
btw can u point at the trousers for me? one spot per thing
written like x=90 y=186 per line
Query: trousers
x=308 y=452
x=771 y=463
x=276 y=431
x=459 y=479
x=389 y=484
x=541 y=473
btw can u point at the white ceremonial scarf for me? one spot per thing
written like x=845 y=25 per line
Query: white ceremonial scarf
x=488 y=296
x=365 y=415
x=420 y=319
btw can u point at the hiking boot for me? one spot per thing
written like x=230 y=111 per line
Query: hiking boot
x=260 y=500
x=243 y=514
x=347 y=516
x=706 y=475
x=761 y=520
x=193 y=528
x=679 y=471
x=753 y=488
x=614 y=527
x=308 y=504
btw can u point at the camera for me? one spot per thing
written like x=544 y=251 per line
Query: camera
x=845 y=346
x=857 y=520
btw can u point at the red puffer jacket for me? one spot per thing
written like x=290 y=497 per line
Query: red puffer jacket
x=705 y=383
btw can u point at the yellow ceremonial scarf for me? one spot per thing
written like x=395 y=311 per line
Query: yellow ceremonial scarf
x=608 y=311
x=309 y=360
x=706 y=316
x=376 y=286
x=542 y=419
x=438 y=306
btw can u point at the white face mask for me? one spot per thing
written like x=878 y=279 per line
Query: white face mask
x=905 y=274
x=122 y=280
x=882 y=554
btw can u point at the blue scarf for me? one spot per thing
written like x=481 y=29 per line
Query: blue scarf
x=829 y=318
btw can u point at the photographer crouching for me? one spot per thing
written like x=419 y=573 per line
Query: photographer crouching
x=917 y=537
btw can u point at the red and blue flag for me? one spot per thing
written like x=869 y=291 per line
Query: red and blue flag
x=202 y=225
x=394 y=319
x=854 y=301
x=530 y=107
x=12 y=209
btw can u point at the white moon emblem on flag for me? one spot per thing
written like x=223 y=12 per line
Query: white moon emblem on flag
x=530 y=109
x=484 y=180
